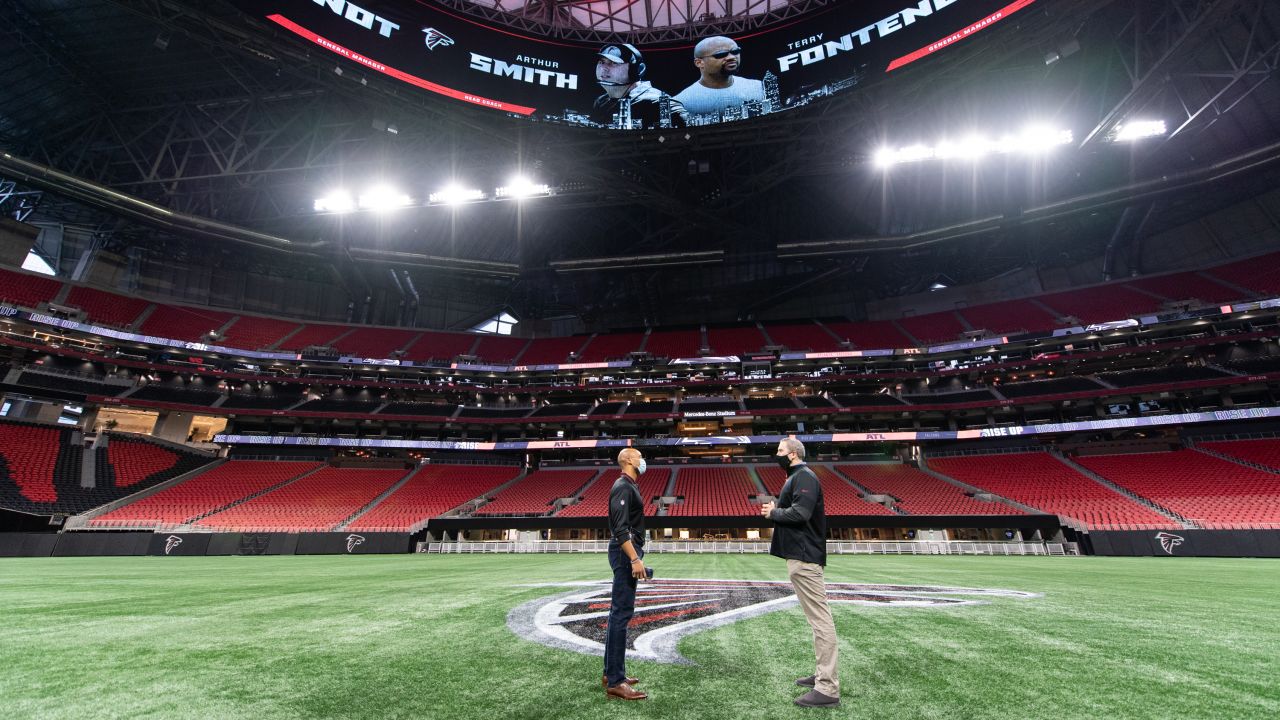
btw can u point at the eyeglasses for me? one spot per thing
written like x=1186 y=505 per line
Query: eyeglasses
x=725 y=53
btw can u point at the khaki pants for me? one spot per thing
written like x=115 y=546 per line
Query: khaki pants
x=811 y=589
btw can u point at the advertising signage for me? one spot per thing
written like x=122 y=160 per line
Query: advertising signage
x=621 y=86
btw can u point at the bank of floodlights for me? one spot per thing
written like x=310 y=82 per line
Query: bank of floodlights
x=1033 y=140
x=455 y=195
x=521 y=187
x=1132 y=130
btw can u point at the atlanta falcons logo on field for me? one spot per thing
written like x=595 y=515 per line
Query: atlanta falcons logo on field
x=667 y=610
x=1169 y=541
x=170 y=543
x=434 y=38
x=353 y=540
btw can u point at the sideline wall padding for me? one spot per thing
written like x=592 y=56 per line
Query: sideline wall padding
x=1186 y=543
x=27 y=544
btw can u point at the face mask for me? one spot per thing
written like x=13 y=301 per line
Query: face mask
x=783 y=461
x=643 y=466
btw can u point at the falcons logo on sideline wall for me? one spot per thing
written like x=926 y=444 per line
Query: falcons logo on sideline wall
x=170 y=543
x=669 y=609
x=353 y=540
x=434 y=38
x=1169 y=541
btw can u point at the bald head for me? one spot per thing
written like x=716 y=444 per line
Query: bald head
x=631 y=462
x=628 y=455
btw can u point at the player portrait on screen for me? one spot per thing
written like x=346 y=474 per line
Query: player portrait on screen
x=629 y=100
x=720 y=93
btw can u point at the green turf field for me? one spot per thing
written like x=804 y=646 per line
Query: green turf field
x=422 y=636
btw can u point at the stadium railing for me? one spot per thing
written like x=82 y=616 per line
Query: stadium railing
x=746 y=547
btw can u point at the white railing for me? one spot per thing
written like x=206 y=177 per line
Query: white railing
x=747 y=546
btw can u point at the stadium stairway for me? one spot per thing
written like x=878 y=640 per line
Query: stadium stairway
x=374 y=502
x=81 y=521
x=1187 y=524
x=469 y=508
x=1232 y=458
x=867 y=493
x=924 y=467
x=264 y=491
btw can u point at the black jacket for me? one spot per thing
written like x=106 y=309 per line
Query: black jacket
x=626 y=512
x=800 y=520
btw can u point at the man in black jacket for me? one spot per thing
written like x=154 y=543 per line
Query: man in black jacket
x=800 y=537
x=626 y=543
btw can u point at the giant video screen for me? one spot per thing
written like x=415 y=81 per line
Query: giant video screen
x=621 y=86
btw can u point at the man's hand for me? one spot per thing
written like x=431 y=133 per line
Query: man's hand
x=767 y=508
x=637 y=569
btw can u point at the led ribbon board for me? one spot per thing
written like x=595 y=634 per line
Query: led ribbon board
x=779 y=69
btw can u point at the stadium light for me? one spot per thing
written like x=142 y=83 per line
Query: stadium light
x=383 y=197
x=1033 y=140
x=522 y=187
x=338 y=201
x=1139 y=129
x=455 y=195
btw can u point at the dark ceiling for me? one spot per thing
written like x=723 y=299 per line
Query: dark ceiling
x=203 y=111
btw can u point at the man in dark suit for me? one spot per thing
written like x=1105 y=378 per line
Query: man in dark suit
x=800 y=536
x=626 y=543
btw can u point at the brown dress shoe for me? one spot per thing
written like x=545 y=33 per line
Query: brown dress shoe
x=624 y=691
x=604 y=681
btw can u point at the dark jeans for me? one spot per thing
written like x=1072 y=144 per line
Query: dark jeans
x=621 y=607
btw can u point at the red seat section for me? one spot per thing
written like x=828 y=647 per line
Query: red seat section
x=674 y=343
x=1046 y=483
x=533 y=494
x=1186 y=286
x=1209 y=491
x=373 y=342
x=1009 y=317
x=135 y=461
x=611 y=347
x=30 y=454
x=736 y=341
x=873 y=335
x=595 y=502
x=203 y=493
x=838 y=496
x=255 y=333
x=1259 y=274
x=1261 y=452
x=499 y=349
x=104 y=307
x=723 y=491
x=183 y=323
x=919 y=493
x=313 y=335
x=803 y=337
x=27 y=290
x=1101 y=303
x=933 y=328
x=320 y=501
x=433 y=490
x=551 y=351
x=440 y=346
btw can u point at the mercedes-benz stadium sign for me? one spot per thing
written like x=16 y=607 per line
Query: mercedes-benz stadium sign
x=622 y=86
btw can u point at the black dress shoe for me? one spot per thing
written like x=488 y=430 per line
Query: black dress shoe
x=813 y=698
x=808 y=681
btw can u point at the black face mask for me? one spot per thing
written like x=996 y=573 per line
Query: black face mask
x=784 y=462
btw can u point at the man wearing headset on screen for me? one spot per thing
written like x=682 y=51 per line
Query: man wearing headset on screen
x=628 y=97
x=719 y=88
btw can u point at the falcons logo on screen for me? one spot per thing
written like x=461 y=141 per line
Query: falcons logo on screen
x=434 y=38
x=1169 y=541
x=667 y=610
x=353 y=540
x=170 y=543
